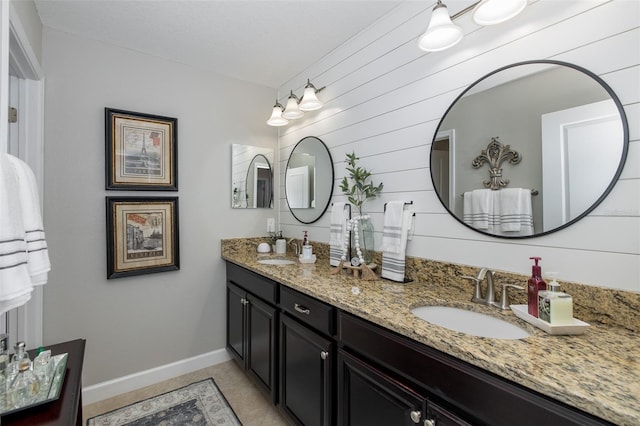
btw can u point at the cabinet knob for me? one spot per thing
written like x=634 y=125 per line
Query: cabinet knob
x=415 y=416
x=244 y=301
x=429 y=422
x=324 y=354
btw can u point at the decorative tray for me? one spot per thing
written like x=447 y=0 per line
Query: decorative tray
x=47 y=393
x=576 y=327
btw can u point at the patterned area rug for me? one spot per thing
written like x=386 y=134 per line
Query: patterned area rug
x=198 y=404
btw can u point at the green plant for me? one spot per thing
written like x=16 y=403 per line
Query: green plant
x=362 y=188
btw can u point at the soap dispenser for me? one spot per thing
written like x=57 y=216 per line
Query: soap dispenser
x=555 y=306
x=535 y=284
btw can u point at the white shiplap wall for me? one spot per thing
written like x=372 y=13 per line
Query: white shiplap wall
x=384 y=99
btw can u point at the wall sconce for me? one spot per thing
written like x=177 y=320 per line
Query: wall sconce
x=295 y=108
x=276 y=118
x=442 y=33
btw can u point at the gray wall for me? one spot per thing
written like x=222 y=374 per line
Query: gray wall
x=136 y=323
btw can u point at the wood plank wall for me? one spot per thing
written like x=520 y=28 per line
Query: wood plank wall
x=384 y=99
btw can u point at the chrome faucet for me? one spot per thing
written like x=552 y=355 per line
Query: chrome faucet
x=490 y=297
x=296 y=246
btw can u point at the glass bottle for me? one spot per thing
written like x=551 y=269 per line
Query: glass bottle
x=4 y=360
x=25 y=386
x=19 y=354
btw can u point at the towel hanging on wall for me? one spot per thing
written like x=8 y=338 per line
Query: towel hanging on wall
x=24 y=257
x=340 y=213
x=393 y=263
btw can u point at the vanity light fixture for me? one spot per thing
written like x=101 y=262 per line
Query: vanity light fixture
x=442 y=33
x=291 y=111
x=310 y=101
x=276 y=118
x=296 y=107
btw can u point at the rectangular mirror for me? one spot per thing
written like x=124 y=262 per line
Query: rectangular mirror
x=251 y=177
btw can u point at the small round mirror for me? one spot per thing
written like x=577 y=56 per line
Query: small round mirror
x=309 y=180
x=529 y=149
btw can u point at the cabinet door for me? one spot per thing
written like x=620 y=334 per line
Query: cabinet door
x=368 y=397
x=261 y=344
x=236 y=341
x=305 y=374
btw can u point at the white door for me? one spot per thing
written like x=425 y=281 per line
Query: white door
x=298 y=187
x=571 y=181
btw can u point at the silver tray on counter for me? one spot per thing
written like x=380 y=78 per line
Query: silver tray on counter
x=46 y=394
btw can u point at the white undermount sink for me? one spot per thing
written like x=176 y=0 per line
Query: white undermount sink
x=469 y=322
x=276 y=262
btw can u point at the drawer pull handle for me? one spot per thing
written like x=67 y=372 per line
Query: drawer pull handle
x=324 y=354
x=301 y=309
x=415 y=416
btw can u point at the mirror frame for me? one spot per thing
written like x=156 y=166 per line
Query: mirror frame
x=321 y=209
x=246 y=181
x=241 y=158
x=614 y=180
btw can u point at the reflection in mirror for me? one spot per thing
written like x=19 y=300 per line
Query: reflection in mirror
x=309 y=179
x=565 y=122
x=251 y=177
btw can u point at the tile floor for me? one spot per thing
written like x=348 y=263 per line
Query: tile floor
x=250 y=405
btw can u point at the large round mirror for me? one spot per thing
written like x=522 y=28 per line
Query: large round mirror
x=308 y=180
x=529 y=149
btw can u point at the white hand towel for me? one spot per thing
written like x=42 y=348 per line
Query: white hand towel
x=478 y=206
x=393 y=264
x=15 y=281
x=337 y=231
x=392 y=228
x=37 y=252
x=512 y=207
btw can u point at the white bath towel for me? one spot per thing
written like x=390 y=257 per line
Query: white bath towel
x=512 y=208
x=24 y=259
x=337 y=230
x=37 y=251
x=478 y=207
x=392 y=228
x=393 y=264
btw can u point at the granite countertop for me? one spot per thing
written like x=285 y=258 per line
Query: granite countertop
x=597 y=372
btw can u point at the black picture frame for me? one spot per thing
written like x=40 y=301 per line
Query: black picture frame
x=141 y=151
x=142 y=235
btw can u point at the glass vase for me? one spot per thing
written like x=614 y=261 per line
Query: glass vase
x=365 y=240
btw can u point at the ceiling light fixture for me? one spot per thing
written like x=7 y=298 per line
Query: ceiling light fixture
x=442 y=33
x=291 y=111
x=276 y=118
x=296 y=107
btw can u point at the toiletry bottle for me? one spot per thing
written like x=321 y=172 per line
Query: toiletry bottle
x=305 y=241
x=536 y=283
x=554 y=306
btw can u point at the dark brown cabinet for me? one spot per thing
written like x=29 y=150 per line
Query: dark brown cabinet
x=252 y=325
x=369 y=397
x=306 y=374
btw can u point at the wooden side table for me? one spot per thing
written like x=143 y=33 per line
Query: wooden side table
x=66 y=410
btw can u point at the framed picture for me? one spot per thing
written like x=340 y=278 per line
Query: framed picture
x=142 y=235
x=141 y=151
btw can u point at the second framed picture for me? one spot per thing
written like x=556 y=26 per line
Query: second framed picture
x=142 y=235
x=141 y=151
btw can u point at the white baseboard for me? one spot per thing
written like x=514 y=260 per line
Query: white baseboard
x=111 y=388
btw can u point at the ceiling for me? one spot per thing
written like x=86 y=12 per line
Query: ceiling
x=265 y=42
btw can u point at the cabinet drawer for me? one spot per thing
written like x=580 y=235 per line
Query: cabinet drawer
x=311 y=311
x=253 y=283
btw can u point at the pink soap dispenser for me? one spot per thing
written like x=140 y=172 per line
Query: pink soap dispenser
x=536 y=284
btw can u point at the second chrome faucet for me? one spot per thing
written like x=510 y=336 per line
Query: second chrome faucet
x=490 y=298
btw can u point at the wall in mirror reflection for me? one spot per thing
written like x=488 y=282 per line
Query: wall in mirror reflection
x=251 y=177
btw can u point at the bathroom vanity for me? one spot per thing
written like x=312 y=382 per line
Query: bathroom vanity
x=336 y=350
